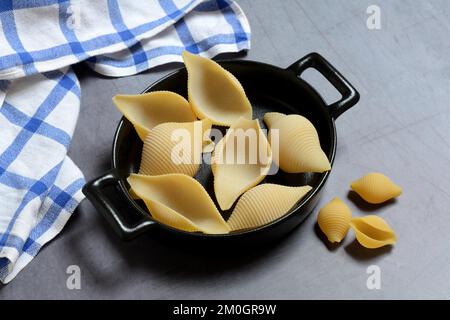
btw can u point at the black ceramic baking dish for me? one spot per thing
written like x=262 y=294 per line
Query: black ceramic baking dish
x=269 y=88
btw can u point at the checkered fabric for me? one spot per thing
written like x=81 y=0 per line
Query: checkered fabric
x=40 y=186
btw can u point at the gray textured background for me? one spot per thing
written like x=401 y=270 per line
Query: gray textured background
x=400 y=127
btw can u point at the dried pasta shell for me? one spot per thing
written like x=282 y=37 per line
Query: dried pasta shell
x=263 y=204
x=190 y=210
x=372 y=232
x=376 y=188
x=238 y=166
x=334 y=220
x=174 y=148
x=145 y=111
x=299 y=145
x=215 y=93
x=271 y=117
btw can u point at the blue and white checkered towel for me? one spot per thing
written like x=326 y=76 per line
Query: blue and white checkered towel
x=40 y=186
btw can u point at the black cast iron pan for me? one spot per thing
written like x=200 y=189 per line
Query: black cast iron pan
x=269 y=88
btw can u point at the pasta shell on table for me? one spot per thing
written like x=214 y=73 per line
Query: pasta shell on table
x=238 y=163
x=376 y=188
x=175 y=148
x=334 y=220
x=263 y=204
x=214 y=93
x=373 y=232
x=147 y=110
x=179 y=201
x=298 y=144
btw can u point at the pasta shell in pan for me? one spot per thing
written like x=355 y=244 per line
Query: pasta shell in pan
x=299 y=145
x=190 y=210
x=174 y=148
x=214 y=93
x=147 y=110
x=376 y=188
x=263 y=204
x=240 y=161
x=372 y=232
x=334 y=220
x=271 y=117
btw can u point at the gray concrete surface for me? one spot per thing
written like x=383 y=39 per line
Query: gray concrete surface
x=400 y=127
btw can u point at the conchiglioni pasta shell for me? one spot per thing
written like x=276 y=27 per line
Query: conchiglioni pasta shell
x=372 y=232
x=214 y=93
x=299 y=145
x=271 y=117
x=334 y=220
x=263 y=204
x=174 y=148
x=249 y=165
x=179 y=201
x=147 y=110
x=376 y=188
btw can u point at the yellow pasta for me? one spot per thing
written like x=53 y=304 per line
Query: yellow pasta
x=376 y=188
x=263 y=204
x=147 y=110
x=215 y=93
x=334 y=220
x=299 y=145
x=174 y=148
x=240 y=161
x=179 y=201
x=372 y=232
x=271 y=117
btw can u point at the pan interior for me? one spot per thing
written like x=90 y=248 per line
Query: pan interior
x=269 y=89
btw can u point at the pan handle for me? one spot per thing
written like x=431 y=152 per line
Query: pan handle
x=103 y=202
x=349 y=94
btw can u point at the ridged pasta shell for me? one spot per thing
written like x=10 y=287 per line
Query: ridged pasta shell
x=334 y=220
x=372 y=232
x=376 y=188
x=214 y=93
x=174 y=148
x=299 y=145
x=237 y=166
x=271 y=117
x=263 y=204
x=179 y=201
x=147 y=110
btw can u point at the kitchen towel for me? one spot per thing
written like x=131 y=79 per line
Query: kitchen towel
x=40 y=186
